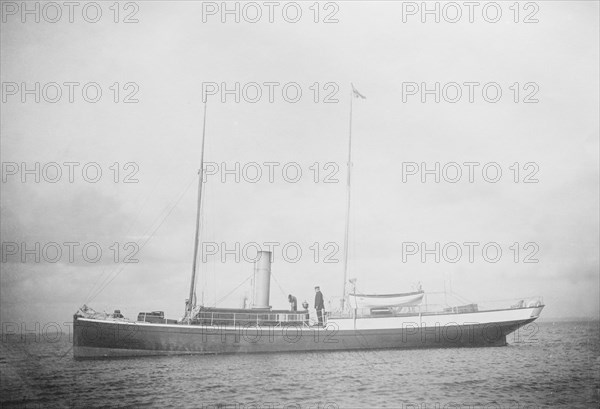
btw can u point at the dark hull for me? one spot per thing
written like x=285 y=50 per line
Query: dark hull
x=102 y=339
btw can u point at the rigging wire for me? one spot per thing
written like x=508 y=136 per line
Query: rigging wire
x=92 y=288
x=107 y=273
x=203 y=233
x=149 y=237
x=104 y=285
x=278 y=285
x=232 y=291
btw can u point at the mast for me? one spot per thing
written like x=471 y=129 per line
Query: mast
x=348 y=185
x=192 y=300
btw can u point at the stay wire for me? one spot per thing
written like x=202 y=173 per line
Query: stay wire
x=144 y=243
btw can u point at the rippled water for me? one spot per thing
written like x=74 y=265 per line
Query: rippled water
x=558 y=367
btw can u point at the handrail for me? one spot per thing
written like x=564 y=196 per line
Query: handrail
x=247 y=317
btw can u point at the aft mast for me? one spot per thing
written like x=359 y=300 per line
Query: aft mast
x=353 y=94
x=191 y=303
x=347 y=225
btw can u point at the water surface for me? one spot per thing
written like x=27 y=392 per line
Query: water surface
x=557 y=366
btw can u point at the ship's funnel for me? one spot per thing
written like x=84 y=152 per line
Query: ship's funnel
x=262 y=279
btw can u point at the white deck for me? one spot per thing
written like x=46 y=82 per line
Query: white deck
x=437 y=320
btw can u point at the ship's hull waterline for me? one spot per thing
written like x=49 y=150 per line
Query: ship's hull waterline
x=94 y=338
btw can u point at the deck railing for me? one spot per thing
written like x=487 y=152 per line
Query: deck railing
x=245 y=318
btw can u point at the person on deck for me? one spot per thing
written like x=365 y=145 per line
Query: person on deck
x=293 y=302
x=306 y=313
x=319 y=304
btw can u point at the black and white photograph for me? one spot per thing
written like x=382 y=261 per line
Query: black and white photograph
x=300 y=204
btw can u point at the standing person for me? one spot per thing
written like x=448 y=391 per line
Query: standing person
x=293 y=302
x=319 y=304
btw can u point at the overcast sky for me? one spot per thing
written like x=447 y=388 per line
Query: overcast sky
x=168 y=55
